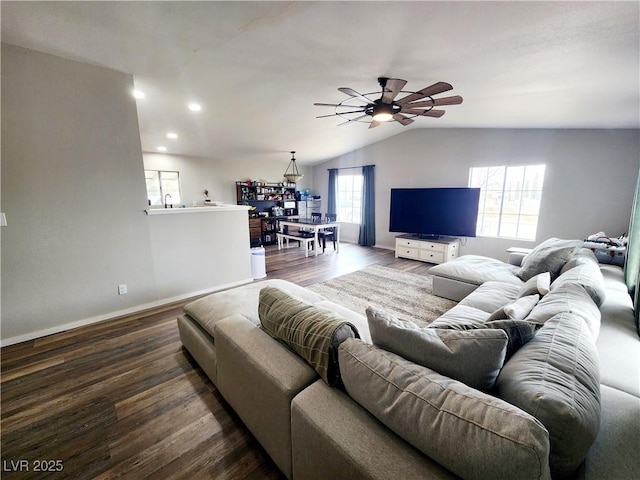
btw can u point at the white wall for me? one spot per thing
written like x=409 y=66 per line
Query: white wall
x=219 y=176
x=589 y=180
x=74 y=194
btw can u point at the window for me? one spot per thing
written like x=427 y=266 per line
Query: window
x=509 y=200
x=349 y=200
x=161 y=183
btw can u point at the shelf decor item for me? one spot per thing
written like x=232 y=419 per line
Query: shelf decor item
x=291 y=173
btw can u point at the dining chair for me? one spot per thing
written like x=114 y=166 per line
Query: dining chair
x=328 y=233
x=315 y=217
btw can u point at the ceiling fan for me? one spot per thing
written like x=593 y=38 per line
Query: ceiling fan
x=361 y=108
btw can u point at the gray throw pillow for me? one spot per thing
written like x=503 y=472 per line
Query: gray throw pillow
x=314 y=333
x=473 y=357
x=518 y=332
x=550 y=256
x=538 y=284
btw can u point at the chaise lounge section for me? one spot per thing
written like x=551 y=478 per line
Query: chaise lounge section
x=565 y=404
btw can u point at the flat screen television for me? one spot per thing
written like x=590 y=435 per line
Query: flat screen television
x=434 y=212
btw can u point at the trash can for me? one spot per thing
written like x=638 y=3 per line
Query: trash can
x=258 y=267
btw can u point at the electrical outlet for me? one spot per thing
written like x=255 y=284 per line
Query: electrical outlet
x=122 y=289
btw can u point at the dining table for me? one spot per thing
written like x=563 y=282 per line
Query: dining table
x=313 y=225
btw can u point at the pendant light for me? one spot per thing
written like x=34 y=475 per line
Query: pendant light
x=291 y=173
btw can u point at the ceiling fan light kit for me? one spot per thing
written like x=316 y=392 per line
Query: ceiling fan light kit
x=291 y=174
x=361 y=108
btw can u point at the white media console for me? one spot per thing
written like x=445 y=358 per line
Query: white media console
x=439 y=250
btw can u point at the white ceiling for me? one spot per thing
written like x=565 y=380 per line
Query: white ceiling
x=258 y=67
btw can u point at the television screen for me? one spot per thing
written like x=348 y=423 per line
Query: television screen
x=431 y=212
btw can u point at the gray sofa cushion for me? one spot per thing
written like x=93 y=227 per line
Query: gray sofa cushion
x=580 y=257
x=312 y=332
x=491 y=295
x=209 y=310
x=473 y=357
x=615 y=453
x=618 y=339
x=568 y=298
x=589 y=276
x=550 y=256
x=460 y=314
x=471 y=433
x=477 y=270
x=555 y=378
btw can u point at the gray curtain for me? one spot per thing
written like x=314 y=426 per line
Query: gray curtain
x=331 y=197
x=632 y=263
x=368 y=222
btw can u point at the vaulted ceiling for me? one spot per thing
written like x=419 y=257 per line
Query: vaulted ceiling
x=258 y=67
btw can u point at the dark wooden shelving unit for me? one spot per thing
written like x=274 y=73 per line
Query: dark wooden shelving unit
x=263 y=196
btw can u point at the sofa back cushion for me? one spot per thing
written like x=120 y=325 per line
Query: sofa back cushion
x=579 y=257
x=473 y=434
x=312 y=332
x=550 y=256
x=588 y=275
x=473 y=357
x=491 y=295
x=568 y=297
x=555 y=377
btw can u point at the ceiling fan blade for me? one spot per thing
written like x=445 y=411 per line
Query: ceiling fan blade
x=331 y=105
x=353 y=120
x=455 y=100
x=434 y=89
x=398 y=117
x=391 y=87
x=352 y=93
x=341 y=113
x=422 y=113
x=375 y=124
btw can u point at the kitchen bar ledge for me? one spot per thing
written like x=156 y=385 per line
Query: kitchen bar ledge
x=207 y=209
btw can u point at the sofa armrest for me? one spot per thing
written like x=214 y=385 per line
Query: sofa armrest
x=259 y=377
x=335 y=438
x=516 y=255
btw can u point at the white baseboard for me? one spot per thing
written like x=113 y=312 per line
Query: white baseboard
x=111 y=315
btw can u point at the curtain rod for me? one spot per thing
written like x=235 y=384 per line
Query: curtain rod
x=349 y=168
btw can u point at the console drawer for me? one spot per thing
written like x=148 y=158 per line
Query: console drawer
x=436 y=247
x=408 y=252
x=431 y=256
x=404 y=242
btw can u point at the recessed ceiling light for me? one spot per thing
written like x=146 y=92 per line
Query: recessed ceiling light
x=162 y=149
x=138 y=94
x=194 y=107
x=172 y=135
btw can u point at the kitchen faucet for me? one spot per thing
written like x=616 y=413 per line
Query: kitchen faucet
x=165 y=201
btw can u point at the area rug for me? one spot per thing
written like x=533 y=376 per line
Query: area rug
x=402 y=294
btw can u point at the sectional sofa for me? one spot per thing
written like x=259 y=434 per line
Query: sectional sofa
x=523 y=379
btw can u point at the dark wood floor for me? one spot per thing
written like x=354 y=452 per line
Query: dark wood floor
x=124 y=399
